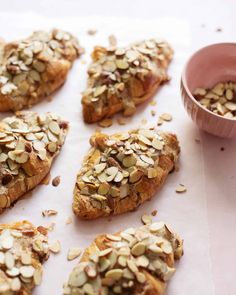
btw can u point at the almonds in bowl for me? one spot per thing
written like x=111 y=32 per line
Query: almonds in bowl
x=221 y=99
x=209 y=70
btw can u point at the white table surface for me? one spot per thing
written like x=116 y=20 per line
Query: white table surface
x=219 y=185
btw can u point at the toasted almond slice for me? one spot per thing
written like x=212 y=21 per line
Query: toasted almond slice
x=181 y=188
x=55 y=247
x=146 y=219
x=73 y=253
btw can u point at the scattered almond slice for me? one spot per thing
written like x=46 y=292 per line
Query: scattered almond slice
x=166 y=117
x=92 y=32
x=51 y=226
x=154 y=212
x=146 y=219
x=56 y=181
x=160 y=121
x=105 y=123
x=121 y=121
x=55 y=247
x=181 y=189
x=49 y=212
x=153 y=113
x=73 y=253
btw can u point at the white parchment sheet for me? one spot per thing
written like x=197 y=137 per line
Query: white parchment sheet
x=186 y=213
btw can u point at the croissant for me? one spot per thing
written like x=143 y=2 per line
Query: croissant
x=122 y=171
x=33 y=68
x=28 y=144
x=121 y=78
x=131 y=262
x=23 y=250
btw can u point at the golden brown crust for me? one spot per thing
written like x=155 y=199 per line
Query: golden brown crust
x=34 y=68
x=84 y=204
x=28 y=148
x=140 y=271
x=25 y=237
x=122 y=78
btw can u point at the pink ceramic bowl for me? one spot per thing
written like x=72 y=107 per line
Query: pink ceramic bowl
x=209 y=65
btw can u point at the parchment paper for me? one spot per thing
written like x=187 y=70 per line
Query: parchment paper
x=186 y=213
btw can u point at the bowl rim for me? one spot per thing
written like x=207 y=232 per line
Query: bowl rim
x=184 y=82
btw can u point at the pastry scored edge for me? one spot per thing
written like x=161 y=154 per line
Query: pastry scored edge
x=122 y=171
x=33 y=68
x=28 y=144
x=133 y=261
x=121 y=78
x=23 y=250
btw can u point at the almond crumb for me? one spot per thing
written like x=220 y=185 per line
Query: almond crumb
x=166 y=117
x=153 y=113
x=181 y=189
x=146 y=219
x=154 y=212
x=92 y=32
x=49 y=212
x=105 y=123
x=160 y=121
x=121 y=121
x=55 y=247
x=56 y=181
x=73 y=253
x=51 y=226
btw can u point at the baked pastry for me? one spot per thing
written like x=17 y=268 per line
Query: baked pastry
x=122 y=171
x=121 y=78
x=134 y=261
x=33 y=68
x=28 y=144
x=23 y=250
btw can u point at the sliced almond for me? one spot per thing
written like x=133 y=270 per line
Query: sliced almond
x=73 y=253
x=55 y=247
x=181 y=188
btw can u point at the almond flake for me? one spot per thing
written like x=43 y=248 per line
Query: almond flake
x=55 y=247
x=166 y=117
x=73 y=253
x=181 y=188
x=56 y=181
x=91 y=32
x=49 y=212
x=105 y=123
x=146 y=219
